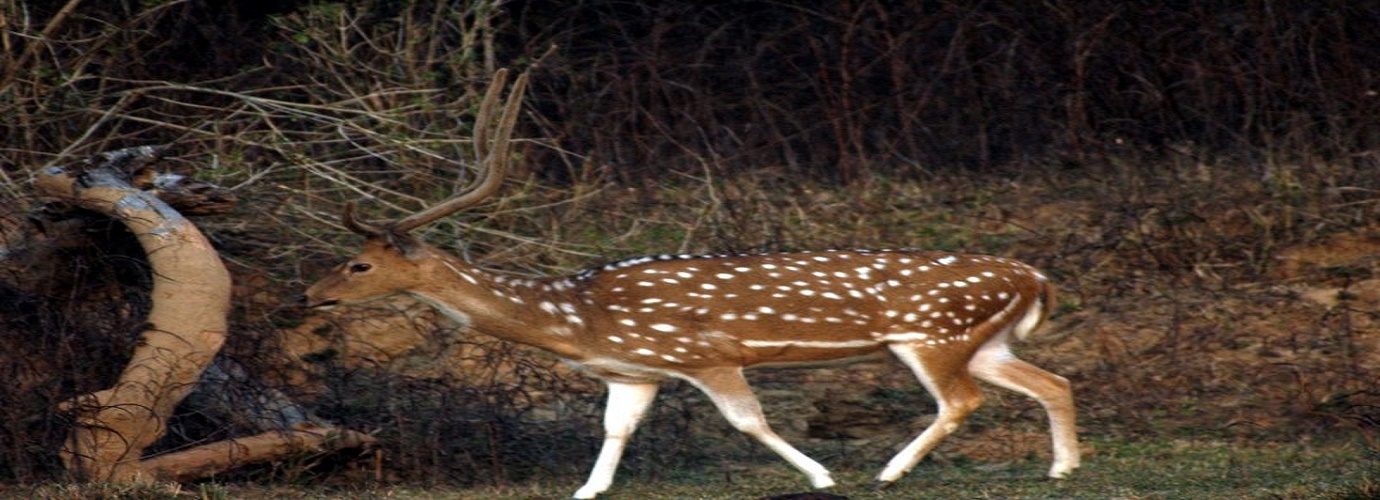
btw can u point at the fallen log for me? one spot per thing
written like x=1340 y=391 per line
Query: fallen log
x=185 y=328
x=220 y=456
x=177 y=349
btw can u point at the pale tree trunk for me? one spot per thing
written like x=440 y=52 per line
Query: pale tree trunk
x=185 y=329
x=176 y=352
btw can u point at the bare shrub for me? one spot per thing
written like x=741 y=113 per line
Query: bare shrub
x=843 y=90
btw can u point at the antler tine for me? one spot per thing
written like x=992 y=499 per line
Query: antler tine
x=359 y=226
x=486 y=112
x=491 y=144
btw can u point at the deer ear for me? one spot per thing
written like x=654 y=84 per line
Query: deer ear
x=406 y=244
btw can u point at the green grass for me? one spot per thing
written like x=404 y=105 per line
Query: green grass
x=1112 y=469
x=1118 y=470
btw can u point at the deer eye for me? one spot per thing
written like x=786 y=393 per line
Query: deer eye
x=361 y=267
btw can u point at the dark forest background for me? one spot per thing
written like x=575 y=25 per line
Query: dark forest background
x=833 y=90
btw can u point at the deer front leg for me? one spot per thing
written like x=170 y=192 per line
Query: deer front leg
x=626 y=405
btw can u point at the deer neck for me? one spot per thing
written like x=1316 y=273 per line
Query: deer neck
x=544 y=313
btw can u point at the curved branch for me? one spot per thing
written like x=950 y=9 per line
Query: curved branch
x=186 y=326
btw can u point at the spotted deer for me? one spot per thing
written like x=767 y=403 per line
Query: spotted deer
x=948 y=317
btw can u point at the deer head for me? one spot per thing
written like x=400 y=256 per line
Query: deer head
x=393 y=260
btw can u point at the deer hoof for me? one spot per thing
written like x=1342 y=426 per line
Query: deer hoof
x=880 y=485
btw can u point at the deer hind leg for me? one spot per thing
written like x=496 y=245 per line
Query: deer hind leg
x=730 y=392
x=626 y=405
x=957 y=394
x=995 y=364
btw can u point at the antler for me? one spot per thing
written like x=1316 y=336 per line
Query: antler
x=491 y=143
